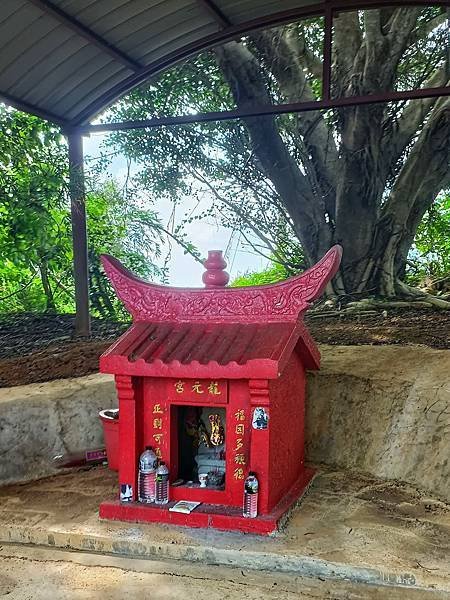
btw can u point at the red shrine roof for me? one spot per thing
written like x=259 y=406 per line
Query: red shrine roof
x=215 y=332
x=209 y=350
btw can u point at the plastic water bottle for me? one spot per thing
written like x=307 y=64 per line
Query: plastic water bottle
x=251 y=487
x=162 y=484
x=147 y=476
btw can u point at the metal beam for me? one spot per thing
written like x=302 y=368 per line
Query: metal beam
x=327 y=52
x=79 y=235
x=270 y=109
x=229 y=33
x=348 y=5
x=215 y=12
x=92 y=37
x=32 y=109
x=224 y=35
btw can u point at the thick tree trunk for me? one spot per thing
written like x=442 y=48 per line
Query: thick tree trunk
x=358 y=195
x=340 y=192
x=424 y=173
x=306 y=209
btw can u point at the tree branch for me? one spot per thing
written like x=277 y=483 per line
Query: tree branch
x=375 y=63
x=236 y=209
x=304 y=54
x=281 y=54
x=427 y=165
x=243 y=73
x=401 y=26
x=408 y=124
x=347 y=39
x=179 y=241
x=425 y=172
x=425 y=29
x=24 y=287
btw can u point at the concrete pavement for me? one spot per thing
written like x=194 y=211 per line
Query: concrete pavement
x=30 y=573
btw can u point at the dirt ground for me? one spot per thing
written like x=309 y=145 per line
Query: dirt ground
x=348 y=531
x=35 y=348
x=39 y=347
x=39 y=574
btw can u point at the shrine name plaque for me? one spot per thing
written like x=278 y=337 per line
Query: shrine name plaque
x=197 y=391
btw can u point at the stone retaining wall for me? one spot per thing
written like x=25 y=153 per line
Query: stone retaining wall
x=39 y=421
x=382 y=410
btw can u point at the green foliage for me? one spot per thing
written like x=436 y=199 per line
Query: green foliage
x=275 y=272
x=33 y=224
x=35 y=233
x=430 y=256
x=116 y=226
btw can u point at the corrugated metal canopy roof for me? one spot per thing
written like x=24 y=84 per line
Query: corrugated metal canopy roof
x=68 y=59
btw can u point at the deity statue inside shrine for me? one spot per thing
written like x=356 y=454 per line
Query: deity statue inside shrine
x=205 y=427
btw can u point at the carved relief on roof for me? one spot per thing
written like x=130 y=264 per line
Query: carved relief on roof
x=276 y=302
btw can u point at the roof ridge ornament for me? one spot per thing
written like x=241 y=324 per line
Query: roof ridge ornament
x=215 y=275
x=277 y=302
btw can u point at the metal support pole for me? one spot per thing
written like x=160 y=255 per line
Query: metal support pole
x=327 y=53
x=79 y=235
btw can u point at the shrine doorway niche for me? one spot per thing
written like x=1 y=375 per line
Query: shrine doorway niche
x=200 y=443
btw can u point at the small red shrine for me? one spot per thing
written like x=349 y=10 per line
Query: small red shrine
x=223 y=361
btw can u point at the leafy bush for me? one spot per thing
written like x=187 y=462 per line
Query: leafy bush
x=429 y=258
x=36 y=270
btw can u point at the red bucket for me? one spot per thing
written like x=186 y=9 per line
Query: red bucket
x=110 y=422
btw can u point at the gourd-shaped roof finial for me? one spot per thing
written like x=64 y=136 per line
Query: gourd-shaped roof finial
x=215 y=275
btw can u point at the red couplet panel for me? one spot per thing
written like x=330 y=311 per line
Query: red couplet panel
x=129 y=391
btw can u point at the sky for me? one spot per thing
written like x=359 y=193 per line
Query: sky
x=184 y=271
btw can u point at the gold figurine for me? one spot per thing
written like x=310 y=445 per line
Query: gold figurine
x=217 y=432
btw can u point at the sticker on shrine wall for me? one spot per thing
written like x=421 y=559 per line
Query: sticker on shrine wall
x=260 y=418
x=126 y=492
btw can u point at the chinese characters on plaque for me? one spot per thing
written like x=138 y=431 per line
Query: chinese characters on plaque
x=158 y=428
x=201 y=389
x=238 y=449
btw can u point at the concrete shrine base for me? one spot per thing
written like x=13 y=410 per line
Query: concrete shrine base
x=224 y=518
x=347 y=527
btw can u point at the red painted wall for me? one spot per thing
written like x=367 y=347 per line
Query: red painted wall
x=157 y=417
x=286 y=426
x=149 y=417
